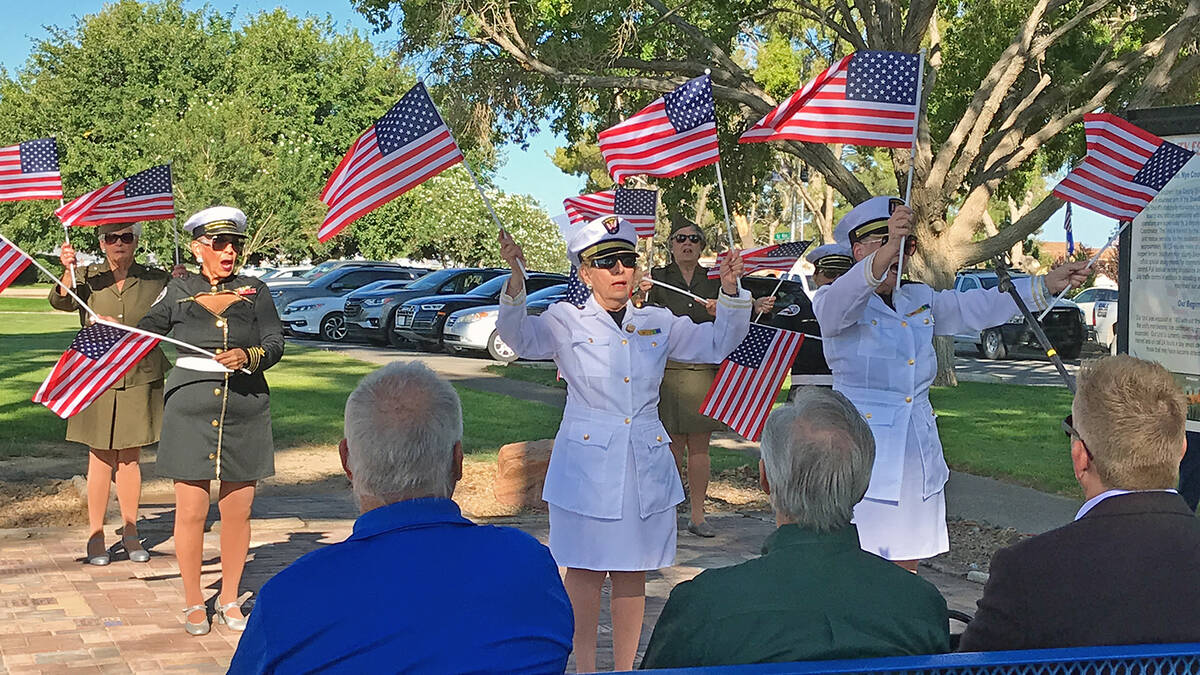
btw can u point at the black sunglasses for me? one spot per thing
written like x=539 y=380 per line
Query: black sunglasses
x=607 y=262
x=1071 y=432
x=124 y=237
x=222 y=241
x=683 y=238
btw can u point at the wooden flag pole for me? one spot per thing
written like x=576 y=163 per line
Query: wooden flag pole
x=164 y=338
x=669 y=287
x=67 y=241
x=488 y=203
x=721 y=187
x=1091 y=261
x=912 y=161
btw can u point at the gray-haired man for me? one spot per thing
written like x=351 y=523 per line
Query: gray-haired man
x=416 y=587
x=814 y=594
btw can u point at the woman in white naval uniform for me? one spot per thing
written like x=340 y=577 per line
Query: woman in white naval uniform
x=879 y=343
x=612 y=484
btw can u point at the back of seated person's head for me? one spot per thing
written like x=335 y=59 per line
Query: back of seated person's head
x=817 y=454
x=403 y=429
x=1131 y=415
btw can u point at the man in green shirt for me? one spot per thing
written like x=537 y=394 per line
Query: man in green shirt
x=814 y=594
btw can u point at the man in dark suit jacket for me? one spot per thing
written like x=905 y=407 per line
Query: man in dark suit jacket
x=814 y=594
x=1127 y=571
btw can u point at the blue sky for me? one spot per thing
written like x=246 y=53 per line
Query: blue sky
x=527 y=171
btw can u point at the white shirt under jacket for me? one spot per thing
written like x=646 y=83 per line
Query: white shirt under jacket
x=613 y=375
x=883 y=360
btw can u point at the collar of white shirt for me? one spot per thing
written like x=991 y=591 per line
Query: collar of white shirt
x=1089 y=504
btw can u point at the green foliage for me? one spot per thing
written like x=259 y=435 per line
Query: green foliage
x=256 y=116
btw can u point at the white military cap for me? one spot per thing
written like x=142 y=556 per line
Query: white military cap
x=831 y=256
x=605 y=234
x=216 y=220
x=869 y=217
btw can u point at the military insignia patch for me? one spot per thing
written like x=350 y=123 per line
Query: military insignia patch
x=161 y=295
x=611 y=224
x=790 y=310
x=246 y=290
x=650 y=331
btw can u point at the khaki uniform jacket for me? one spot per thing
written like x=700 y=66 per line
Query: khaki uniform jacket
x=143 y=285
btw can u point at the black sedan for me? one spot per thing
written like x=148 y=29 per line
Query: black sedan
x=421 y=320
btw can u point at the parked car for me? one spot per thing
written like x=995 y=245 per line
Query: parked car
x=420 y=320
x=375 y=321
x=1087 y=300
x=1064 y=325
x=315 y=318
x=281 y=273
x=340 y=281
x=474 y=328
x=1106 y=324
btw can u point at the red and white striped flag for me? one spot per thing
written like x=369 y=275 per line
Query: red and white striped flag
x=1123 y=170
x=774 y=257
x=750 y=378
x=673 y=135
x=29 y=170
x=404 y=148
x=639 y=207
x=866 y=98
x=142 y=196
x=98 y=356
x=13 y=261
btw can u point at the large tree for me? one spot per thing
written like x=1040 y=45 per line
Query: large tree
x=1005 y=79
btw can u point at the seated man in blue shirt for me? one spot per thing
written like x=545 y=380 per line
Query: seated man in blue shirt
x=814 y=594
x=416 y=587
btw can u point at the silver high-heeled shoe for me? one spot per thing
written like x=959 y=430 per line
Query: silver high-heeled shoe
x=201 y=628
x=133 y=547
x=233 y=623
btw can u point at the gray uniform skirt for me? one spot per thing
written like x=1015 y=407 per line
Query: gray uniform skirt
x=684 y=386
x=216 y=426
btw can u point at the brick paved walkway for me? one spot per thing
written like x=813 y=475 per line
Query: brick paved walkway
x=58 y=615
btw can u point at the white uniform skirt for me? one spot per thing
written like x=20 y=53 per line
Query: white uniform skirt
x=913 y=528
x=627 y=544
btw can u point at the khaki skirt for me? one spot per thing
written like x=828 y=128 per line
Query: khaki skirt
x=684 y=386
x=120 y=418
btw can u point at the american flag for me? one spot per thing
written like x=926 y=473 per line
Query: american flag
x=29 y=170
x=13 y=261
x=637 y=206
x=98 y=356
x=577 y=293
x=866 y=98
x=142 y=196
x=673 y=135
x=774 y=257
x=749 y=379
x=1123 y=170
x=1070 y=234
x=404 y=148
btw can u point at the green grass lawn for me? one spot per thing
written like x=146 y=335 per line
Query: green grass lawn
x=25 y=305
x=308 y=394
x=1004 y=431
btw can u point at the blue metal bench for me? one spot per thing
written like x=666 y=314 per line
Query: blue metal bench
x=1176 y=659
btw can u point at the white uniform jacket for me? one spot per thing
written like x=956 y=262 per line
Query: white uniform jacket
x=883 y=360
x=613 y=375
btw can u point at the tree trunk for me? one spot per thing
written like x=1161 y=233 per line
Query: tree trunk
x=936 y=265
x=943 y=346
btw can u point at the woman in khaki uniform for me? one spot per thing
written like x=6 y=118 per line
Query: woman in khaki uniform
x=684 y=385
x=128 y=415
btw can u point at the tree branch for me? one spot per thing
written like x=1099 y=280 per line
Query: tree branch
x=1159 y=77
x=986 y=249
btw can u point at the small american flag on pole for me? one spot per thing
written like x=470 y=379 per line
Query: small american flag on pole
x=637 y=206
x=404 y=148
x=673 y=135
x=774 y=257
x=13 y=261
x=1070 y=233
x=98 y=356
x=749 y=379
x=866 y=98
x=29 y=170
x=1123 y=170
x=577 y=293
x=142 y=196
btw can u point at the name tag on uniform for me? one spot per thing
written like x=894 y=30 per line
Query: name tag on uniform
x=922 y=308
x=649 y=331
